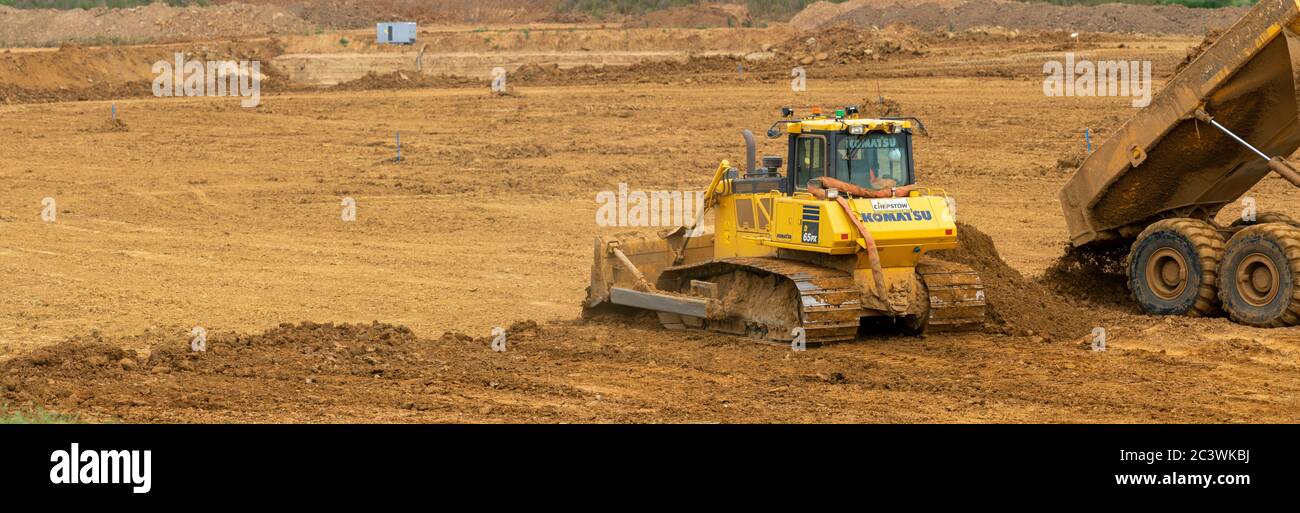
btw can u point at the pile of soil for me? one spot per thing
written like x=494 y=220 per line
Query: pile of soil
x=345 y=14
x=156 y=22
x=1017 y=305
x=956 y=15
x=696 y=16
x=573 y=372
x=113 y=124
x=845 y=44
x=822 y=13
x=320 y=364
x=698 y=69
x=10 y=94
x=76 y=73
x=1071 y=160
x=405 y=80
x=880 y=107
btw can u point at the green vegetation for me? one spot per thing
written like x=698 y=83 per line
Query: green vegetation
x=36 y=416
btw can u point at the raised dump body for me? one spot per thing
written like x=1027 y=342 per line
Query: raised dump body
x=1164 y=163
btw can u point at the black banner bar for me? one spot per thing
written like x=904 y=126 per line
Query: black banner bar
x=352 y=460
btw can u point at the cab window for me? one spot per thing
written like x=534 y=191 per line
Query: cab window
x=810 y=159
x=874 y=160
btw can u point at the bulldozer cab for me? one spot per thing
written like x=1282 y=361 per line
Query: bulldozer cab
x=871 y=153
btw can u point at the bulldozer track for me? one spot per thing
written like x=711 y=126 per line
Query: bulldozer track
x=956 y=295
x=830 y=304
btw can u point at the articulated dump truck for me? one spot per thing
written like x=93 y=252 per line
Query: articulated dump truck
x=1216 y=129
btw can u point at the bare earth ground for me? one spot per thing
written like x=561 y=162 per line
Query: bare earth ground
x=207 y=214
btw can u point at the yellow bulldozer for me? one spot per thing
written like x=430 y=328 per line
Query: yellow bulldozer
x=807 y=255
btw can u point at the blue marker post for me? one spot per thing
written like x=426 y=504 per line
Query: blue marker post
x=114 y=112
x=399 y=146
x=1087 y=138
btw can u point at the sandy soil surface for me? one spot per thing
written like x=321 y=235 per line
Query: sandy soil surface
x=160 y=23
x=1011 y=14
x=197 y=212
x=598 y=372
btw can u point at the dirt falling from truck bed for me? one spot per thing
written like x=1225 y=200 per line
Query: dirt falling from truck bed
x=1018 y=305
x=1094 y=274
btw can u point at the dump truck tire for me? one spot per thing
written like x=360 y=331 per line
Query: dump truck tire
x=1259 y=277
x=1173 y=268
x=1265 y=218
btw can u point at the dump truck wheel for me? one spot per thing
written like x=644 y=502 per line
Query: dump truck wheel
x=1173 y=268
x=1260 y=275
x=1265 y=218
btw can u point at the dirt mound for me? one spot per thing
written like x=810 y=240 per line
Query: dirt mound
x=562 y=372
x=10 y=94
x=115 y=125
x=959 y=15
x=405 y=80
x=821 y=13
x=359 y=14
x=155 y=22
x=696 y=16
x=845 y=44
x=697 y=69
x=880 y=107
x=291 y=357
x=1071 y=160
x=1018 y=305
x=75 y=73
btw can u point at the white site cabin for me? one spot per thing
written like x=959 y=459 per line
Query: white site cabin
x=399 y=33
